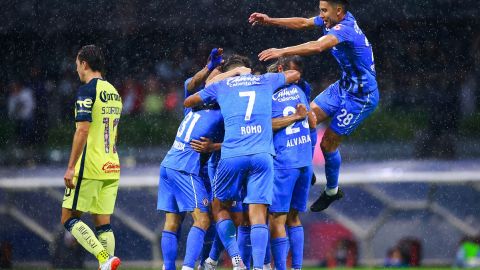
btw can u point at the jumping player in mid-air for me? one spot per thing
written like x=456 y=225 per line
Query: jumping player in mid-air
x=350 y=100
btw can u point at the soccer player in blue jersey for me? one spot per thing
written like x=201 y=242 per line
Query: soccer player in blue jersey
x=292 y=164
x=347 y=102
x=245 y=170
x=182 y=187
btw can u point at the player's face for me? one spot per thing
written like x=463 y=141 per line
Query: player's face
x=329 y=14
x=80 y=70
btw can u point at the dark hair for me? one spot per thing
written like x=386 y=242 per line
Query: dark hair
x=285 y=63
x=236 y=60
x=93 y=56
x=344 y=3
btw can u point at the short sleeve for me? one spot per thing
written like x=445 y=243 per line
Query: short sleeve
x=85 y=100
x=209 y=94
x=318 y=21
x=276 y=80
x=342 y=32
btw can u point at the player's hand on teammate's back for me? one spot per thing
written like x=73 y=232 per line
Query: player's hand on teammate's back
x=258 y=18
x=215 y=59
x=68 y=177
x=204 y=145
x=301 y=111
x=269 y=54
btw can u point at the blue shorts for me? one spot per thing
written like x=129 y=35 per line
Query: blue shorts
x=236 y=205
x=181 y=192
x=290 y=189
x=347 y=110
x=246 y=178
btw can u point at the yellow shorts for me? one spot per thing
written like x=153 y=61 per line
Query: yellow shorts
x=94 y=196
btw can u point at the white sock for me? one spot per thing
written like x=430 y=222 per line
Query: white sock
x=186 y=268
x=267 y=266
x=331 y=191
x=211 y=261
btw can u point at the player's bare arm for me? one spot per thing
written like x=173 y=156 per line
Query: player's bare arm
x=79 y=141
x=312 y=119
x=205 y=145
x=291 y=76
x=313 y=47
x=214 y=60
x=296 y=23
x=193 y=101
x=299 y=115
x=234 y=72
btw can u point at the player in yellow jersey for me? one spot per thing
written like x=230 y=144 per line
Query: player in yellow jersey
x=93 y=171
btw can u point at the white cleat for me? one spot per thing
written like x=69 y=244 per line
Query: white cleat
x=209 y=265
x=111 y=264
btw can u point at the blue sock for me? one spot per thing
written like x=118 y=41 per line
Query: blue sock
x=268 y=254
x=207 y=244
x=195 y=241
x=244 y=244
x=226 y=231
x=332 y=168
x=259 y=239
x=169 y=249
x=313 y=137
x=280 y=251
x=217 y=248
x=296 y=237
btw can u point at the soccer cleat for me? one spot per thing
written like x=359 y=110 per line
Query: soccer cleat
x=207 y=265
x=111 y=264
x=324 y=201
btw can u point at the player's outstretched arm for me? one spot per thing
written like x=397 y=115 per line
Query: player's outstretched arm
x=234 y=72
x=79 y=141
x=281 y=122
x=214 y=60
x=296 y=23
x=313 y=47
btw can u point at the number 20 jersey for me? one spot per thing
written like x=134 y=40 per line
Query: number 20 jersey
x=99 y=103
x=293 y=145
x=196 y=124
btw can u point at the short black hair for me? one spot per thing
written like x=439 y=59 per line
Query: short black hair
x=94 y=57
x=285 y=63
x=236 y=60
x=344 y=3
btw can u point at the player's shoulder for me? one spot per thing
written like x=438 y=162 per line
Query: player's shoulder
x=89 y=89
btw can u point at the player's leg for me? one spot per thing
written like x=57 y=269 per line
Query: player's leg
x=196 y=237
x=226 y=184
x=283 y=190
x=241 y=220
x=166 y=202
x=294 y=226
x=259 y=196
x=104 y=232
x=75 y=202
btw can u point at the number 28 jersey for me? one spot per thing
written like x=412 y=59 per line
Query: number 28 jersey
x=99 y=103
x=246 y=106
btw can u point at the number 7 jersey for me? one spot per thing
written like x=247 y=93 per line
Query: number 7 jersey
x=99 y=103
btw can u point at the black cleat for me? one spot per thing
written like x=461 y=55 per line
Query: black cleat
x=324 y=201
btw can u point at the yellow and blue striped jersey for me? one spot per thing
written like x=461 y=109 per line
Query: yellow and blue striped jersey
x=99 y=103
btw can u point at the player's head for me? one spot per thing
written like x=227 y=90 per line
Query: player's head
x=235 y=61
x=333 y=11
x=287 y=63
x=89 y=59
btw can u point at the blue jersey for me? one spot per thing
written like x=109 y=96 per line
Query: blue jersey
x=187 y=94
x=293 y=145
x=245 y=102
x=354 y=55
x=196 y=124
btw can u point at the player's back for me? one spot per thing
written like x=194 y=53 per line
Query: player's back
x=99 y=103
x=202 y=123
x=354 y=54
x=246 y=107
x=293 y=145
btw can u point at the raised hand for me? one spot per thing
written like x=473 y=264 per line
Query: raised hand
x=215 y=59
x=269 y=54
x=258 y=19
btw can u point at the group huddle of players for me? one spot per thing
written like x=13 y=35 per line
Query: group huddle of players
x=241 y=161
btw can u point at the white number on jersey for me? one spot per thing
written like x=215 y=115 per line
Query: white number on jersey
x=251 y=101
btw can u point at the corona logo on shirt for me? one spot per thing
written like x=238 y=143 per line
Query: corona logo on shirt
x=110 y=167
x=104 y=96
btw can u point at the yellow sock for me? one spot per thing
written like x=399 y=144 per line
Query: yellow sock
x=87 y=239
x=107 y=239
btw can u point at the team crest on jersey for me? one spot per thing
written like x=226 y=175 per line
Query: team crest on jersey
x=205 y=202
x=337 y=27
